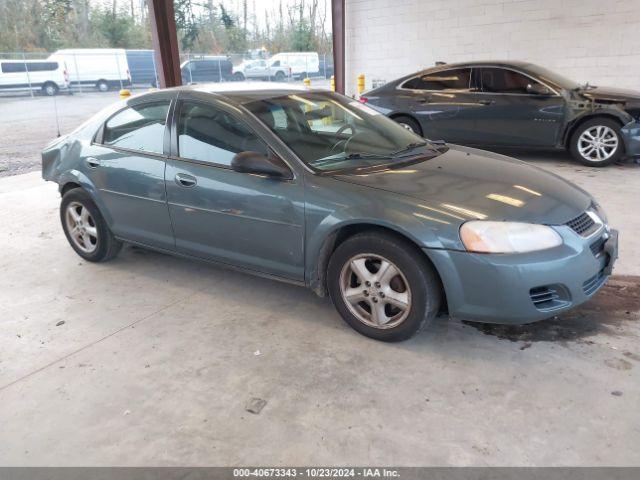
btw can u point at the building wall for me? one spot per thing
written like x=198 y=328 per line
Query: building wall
x=587 y=40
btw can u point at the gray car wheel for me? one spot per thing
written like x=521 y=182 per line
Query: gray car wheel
x=85 y=227
x=102 y=86
x=597 y=142
x=408 y=123
x=383 y=286
x=50 y=89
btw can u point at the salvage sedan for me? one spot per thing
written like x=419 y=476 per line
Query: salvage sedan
x=317 y=189
x=514 y=104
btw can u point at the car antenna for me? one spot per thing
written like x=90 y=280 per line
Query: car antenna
x=55 y=108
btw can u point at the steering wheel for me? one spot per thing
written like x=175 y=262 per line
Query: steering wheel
x=346 y=141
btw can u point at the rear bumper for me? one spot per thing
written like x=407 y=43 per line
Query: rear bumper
x=631 y=137
x=524 y=288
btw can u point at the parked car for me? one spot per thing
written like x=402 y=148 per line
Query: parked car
x=142 y=67
x=33 y=75
x=514 y=104
x=262 y=70
x=316 y=189
x=206 y=69
x=102 y=68
x=303 y=64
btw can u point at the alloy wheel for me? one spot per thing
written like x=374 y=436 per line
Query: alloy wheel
x=598 y=143
x=375 y=290
x=81 y=227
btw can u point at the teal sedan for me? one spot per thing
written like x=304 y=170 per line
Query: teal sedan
x=316 y=189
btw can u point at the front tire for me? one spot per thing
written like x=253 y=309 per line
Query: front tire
x=597 y=142
x=85 y=227
x=383 y=287
x=279 y=77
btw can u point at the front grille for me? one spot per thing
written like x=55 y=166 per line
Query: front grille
x=592 y=285
x=597 y=247
x=581 y=224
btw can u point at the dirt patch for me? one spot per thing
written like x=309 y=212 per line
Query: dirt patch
x=615 y=305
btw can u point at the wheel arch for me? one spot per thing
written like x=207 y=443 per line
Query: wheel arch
x=318 y=280
x=395 y=115
x=571 y=129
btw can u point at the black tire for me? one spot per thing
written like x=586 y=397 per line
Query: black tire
x=279 y=76
x=50 y=89
x=106 y=246
x=409 y=123
x=102 y=86
x=238 y=76
x=422 y=279
x=575 y=142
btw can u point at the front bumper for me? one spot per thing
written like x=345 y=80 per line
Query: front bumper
x=631 y=137
x=527 y=287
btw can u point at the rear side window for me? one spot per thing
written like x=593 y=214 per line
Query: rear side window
x=457 y=79
x=11 y=67
x=209 y=134
x=138 y=128
x=500 y=80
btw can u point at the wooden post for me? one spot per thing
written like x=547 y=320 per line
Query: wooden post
x=337 y=31
x=165 y=42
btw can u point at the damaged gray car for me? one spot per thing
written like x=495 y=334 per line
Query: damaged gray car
x=514 y=104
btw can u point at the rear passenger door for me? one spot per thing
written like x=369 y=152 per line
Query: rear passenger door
x=445 y=104
x=126 y=163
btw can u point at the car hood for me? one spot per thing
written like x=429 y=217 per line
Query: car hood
x=617 y=95
x=466 y=183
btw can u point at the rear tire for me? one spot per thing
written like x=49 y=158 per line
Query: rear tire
x=403 y=292
x=597 y=142
x=238 y=77
x=50 y=89
x=85 y=227
x=409 y=123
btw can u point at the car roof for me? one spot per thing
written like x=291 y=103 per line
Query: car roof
x=479 y=63
x=244 y=92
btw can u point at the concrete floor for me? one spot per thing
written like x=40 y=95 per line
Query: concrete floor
x=158 y=357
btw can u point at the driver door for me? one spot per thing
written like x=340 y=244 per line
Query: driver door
x=245 y=220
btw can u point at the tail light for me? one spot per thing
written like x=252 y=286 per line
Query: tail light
x=128 y=75
x=363 y=99
x=65 y=74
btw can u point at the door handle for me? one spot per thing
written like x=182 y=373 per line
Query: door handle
x=424 y=100
x=485 y=102
x=92 y=162
x=185 y=180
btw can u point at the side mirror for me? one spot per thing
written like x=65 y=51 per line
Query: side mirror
x=538 y=89
x=259 y=164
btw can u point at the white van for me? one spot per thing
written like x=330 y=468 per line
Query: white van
x=46 y=75
x=102 y=68
x=303 y=64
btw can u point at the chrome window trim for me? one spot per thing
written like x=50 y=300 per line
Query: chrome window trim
x=555 y=91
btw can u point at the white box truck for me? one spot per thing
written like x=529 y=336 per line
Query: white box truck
x=102 y=68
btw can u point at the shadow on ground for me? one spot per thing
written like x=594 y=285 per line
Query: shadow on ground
x=616 y=304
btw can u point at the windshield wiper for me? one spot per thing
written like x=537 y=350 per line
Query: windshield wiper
x=350 y=156
x=411 y=146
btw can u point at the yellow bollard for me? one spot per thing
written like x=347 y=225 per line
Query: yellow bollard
x=333 y=83
x=124 y=93
x=360 y=83
x=307 y=82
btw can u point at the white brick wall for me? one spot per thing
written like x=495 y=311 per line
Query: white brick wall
x=587 y=40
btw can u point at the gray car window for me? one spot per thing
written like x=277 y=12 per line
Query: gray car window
x=456 y=79
x=138 y=128
x=501 y=80
x=209 y=134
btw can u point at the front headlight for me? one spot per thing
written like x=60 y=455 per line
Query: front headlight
x=507 y=237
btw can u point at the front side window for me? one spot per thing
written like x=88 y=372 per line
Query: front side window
x=138 y=128
x=500 y=80
x=209 y=134
x=329 y=132
x=456 y=79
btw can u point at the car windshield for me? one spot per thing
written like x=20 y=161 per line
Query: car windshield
x=332 y=132
x=548 y=76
